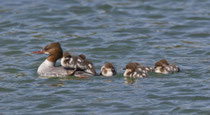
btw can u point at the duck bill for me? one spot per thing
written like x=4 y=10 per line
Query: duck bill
x=38 y=52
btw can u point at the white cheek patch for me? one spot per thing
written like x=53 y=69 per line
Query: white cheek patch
x=157 y=70
x=126 y=72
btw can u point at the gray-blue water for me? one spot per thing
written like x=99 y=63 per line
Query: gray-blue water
x=117 y=31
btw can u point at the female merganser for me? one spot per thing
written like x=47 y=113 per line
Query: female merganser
x=108 y=70
x=48 y=68
x=164 y=67
x=135 y=70
x=77 y=62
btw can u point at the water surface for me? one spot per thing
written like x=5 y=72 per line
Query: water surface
x=106 y=31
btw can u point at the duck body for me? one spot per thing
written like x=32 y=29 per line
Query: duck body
x=48 y=68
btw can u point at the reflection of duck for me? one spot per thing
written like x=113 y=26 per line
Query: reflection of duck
x=48 y=68
x=164 y=67
x=135 y=70
x=129 y=80
x=108 y=70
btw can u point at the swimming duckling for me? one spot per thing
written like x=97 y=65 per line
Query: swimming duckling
x=134 y=70
x=108 y=70
x=164 y=67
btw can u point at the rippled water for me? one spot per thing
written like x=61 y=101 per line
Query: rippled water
x=118 y=31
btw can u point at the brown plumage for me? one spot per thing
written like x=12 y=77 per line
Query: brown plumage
x=55 y=51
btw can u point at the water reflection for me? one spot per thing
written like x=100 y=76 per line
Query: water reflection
x=129 y=80
x=65 y=78
x=57 y=85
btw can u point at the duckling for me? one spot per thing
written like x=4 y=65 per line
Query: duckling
x=134 y=70
x=108 y=70
x=79 y=62
x=164 y=67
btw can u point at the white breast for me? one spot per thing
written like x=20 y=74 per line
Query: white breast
x=45 y=66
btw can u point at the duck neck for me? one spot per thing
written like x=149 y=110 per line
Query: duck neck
x=53 y=58
x=48 y=63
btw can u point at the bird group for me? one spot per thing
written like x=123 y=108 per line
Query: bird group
x=80 y=66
